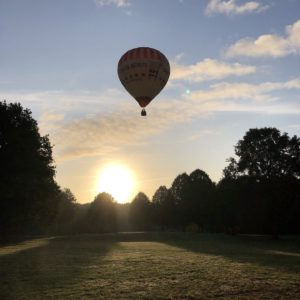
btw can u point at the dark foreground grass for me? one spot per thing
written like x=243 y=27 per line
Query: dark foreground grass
x=151 y=266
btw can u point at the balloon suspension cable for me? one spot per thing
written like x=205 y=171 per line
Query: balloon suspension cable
x=143 y=112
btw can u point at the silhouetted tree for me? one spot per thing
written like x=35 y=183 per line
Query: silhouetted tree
x=228 y=204
x=281 y=197
x=140 y=213
x=194 y=197
x=272 y=160
x=101 y=216
x=66 y=212
x=231 y=171
x=122 y=216
x=81 y=222
x=181 y=193
x=265 y=152
x=241 y=205
x=164 y=208
x=28 y=192
x=201 y=204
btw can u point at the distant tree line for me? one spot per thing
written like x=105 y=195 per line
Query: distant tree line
x=258 y=193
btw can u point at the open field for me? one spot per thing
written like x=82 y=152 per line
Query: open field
x=151 y=266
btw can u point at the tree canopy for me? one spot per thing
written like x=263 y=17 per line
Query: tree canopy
x=101 y=215
x=266 y=178
x=29 y=193
x=140 y=212
x=265 y=152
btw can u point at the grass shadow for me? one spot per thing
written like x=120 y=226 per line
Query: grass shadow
x=47 y=267
x=281 y=254
x=262 y=250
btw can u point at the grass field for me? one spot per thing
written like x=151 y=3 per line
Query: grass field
x=151 y=266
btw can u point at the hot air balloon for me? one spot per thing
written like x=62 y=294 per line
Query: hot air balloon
x=143 y=72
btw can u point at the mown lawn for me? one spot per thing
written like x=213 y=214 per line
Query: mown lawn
x=151 y=266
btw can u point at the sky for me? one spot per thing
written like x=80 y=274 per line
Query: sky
x=234 y=66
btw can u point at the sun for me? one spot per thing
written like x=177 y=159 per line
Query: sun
x=117 y=180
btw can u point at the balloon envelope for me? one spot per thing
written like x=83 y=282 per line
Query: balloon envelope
x=143 y=72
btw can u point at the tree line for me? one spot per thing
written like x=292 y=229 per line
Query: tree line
x=258 y=193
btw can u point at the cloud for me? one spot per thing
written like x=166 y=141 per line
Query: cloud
x=101 y=134
x=268 y=45
x=231 y=7
x=93 y=124
x=293 y=84
x=202 y=134
x=123 y=127
x=208 y=69
x=238 y=91
x=117 y=3
x=50 y=120
x=121 y=4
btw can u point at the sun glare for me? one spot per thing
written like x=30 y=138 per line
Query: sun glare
x=117 y=180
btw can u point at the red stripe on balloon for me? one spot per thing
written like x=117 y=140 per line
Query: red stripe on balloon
x=126 y=56
x=152 y=53
x=131 y=54
x=159 y=56
x=145 y=50
x=143 y=100
x=145 y=53
x=138 y=50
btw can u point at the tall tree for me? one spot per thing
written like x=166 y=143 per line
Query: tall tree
x=164 y=208
x=201 y=205
x=273 y=160
x=181 y=193
x=28 y=191
x=140 y=212
x=65 y=212
x=193 y=195
x=102 y=216
x=240 y=206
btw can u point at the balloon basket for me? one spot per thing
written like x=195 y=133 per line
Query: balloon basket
x=143 y=113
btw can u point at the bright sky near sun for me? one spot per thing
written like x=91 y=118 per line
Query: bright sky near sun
x=235 y=65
